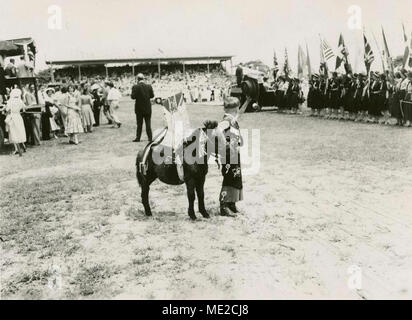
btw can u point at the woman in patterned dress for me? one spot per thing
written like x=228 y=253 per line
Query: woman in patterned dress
x=74 y=121
x=86 y=110
x=229 y=142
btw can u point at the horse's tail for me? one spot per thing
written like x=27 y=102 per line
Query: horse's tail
x=140 y=168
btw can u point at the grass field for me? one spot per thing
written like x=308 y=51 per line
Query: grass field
x=329 y=195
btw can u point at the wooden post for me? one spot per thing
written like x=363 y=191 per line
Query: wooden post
x=158 y=67
x=80 y=73
x=51 y=72
x=184 y=71
x=107 y=72
x=208 y=69
x=133 y=69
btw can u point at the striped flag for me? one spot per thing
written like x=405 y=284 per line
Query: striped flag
x=327 y=50
x=368 y=56
x=323 y=68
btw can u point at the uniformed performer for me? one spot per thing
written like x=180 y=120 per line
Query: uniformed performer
x=230 y=141
x=394 y=100
x=311 y=99
x=322 y=95
x=334 y=94
x=375 y=98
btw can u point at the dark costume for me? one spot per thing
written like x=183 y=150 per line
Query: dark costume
x=322 y=98
x=377 y=98
x=231 y=170
x=334 y=94
x=395 y=102
x=311 y=99
x=45 y=121
x=142 y=93
x=97 y=105
x=357 y=96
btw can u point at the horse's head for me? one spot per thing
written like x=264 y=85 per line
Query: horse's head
x=212 y=137
x=202 y=142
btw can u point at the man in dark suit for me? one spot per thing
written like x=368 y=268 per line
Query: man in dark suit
x=142 y=93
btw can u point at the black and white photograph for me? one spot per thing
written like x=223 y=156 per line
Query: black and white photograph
x=224 y=150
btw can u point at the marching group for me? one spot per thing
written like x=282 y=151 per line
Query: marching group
x=378 y=98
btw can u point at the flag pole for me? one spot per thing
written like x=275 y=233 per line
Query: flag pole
x=380 y=52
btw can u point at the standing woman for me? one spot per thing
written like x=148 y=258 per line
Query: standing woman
x=230 y=140
x=51 y=111
x=74 y=121
x=85 y=102
x=14 y=121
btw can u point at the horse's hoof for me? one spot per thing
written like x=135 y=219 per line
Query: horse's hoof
x=205 y=214
x=148 y=214
x=192 y=216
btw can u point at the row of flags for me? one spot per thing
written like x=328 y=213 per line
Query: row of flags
x=326 y=54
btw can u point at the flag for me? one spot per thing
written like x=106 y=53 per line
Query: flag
x=301 y=62
x=275 y=62
x=173 y=103
x=177 y=120
x=368 y=56
x=342 y=56
x=327 y=50
x=406 y=52
x=286 y=68
x=323 y=68
x=386 y=54
x=308 y=62
x=408 y=62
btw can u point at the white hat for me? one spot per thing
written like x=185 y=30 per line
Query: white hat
x=94 y=86
x=15 y=94
x=140 y=76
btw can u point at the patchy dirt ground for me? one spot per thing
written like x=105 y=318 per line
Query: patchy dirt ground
x=329 y=195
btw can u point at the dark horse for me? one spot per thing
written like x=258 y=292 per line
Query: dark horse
x=194 y=170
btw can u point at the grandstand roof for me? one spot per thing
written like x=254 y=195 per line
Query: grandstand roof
x=138 y=60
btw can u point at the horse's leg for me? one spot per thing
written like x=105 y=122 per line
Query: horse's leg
x=190 y=186
x=145 y=182
x=145 y=198
x=201 y=197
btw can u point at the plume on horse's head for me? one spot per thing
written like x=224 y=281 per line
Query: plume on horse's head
x=209 y=124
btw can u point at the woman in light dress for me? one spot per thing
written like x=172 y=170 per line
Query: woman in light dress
x=85 y=102
x=74 y=122
x=14 y=121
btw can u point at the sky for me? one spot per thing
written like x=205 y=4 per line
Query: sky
x=247 y=29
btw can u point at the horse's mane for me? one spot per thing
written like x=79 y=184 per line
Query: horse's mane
x=207 y=125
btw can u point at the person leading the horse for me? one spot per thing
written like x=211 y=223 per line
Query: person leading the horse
x=230 y=142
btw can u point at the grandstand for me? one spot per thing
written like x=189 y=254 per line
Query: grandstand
x=153 y=65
